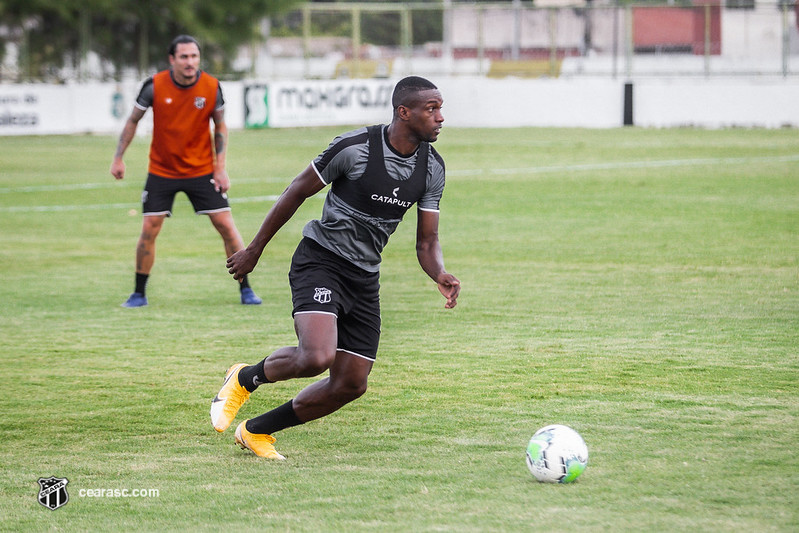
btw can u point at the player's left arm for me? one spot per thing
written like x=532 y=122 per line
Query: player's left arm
x=221 y=179
x=431 y=258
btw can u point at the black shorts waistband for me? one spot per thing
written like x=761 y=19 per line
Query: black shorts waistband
x=205 y=176
x=318 y=248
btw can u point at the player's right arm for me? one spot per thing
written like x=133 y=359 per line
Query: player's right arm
x=305 y=185
x=125 y=138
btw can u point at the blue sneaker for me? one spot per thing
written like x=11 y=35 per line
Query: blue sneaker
x=248 y=297
x=136 y=299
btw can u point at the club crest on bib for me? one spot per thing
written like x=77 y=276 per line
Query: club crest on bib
x=199 y=102
x=322 y=295
x=53 y=492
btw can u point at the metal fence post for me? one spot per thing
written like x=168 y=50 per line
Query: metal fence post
x=407 y=36
x=615 y=39
x=480 y=40
x=707 y=40
x=446 y=52
x=785 y=39
x=306 y=40
x=356 y=41
x=628 y=41
x=553 y=44
x=517 y=30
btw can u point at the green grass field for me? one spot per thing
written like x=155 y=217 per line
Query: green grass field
x=641 y=286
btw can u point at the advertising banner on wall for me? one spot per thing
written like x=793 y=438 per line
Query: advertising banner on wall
x=26 y=110
x=286 y=104
x=256 y=106
x=38 y=109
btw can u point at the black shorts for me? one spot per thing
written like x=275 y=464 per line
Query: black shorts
x=323 y=282
x=159 y=195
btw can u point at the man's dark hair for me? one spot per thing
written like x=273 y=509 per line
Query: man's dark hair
x=182 y=39
x=406 y=90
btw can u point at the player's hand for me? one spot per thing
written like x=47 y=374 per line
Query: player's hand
x=118 y=169
x=242 y=263
x=450 y=287
x=221 y=181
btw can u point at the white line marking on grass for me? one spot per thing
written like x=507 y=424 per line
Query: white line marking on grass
x=54 y=208
x=94 y=207
x=111 y=183
x=627 y=164
x=465 y=172
x=52 y=188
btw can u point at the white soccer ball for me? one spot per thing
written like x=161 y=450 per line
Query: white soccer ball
x=556 y=454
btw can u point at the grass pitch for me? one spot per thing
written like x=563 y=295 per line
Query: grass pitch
x=641 y=286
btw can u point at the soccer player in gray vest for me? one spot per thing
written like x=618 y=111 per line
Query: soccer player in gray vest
x=375 y=175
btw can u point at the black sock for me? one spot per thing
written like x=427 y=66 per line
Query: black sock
x=278 y=418
x=250 y=377
x=244 y=283
x=141 y=282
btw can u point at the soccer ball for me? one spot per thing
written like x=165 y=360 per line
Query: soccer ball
x=556 y=454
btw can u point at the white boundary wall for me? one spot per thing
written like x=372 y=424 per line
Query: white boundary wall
x=468 y=102
x=716 y=103
x=481 y=102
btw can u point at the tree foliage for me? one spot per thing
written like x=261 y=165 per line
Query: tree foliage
x=52 y=34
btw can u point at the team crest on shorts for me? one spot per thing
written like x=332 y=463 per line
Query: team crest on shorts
x=199 y=102
x=53 y=492
x=322 y=295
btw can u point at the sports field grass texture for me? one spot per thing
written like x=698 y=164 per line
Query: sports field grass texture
x=641 y=286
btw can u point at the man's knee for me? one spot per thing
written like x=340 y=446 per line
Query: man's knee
x=314 y=362
x=348 y=390
x=151 y=226
x=223 y=222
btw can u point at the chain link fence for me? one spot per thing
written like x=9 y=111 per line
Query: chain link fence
x=706 y=38
x=740 y=38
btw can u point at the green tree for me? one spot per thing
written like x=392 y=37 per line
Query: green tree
x=128 y=33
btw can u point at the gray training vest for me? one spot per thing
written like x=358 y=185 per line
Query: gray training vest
x=378 y=194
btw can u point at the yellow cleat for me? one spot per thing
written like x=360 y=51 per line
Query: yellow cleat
x=261 y=444
x=229 y=399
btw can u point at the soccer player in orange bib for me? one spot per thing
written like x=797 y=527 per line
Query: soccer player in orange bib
x=182 y=157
